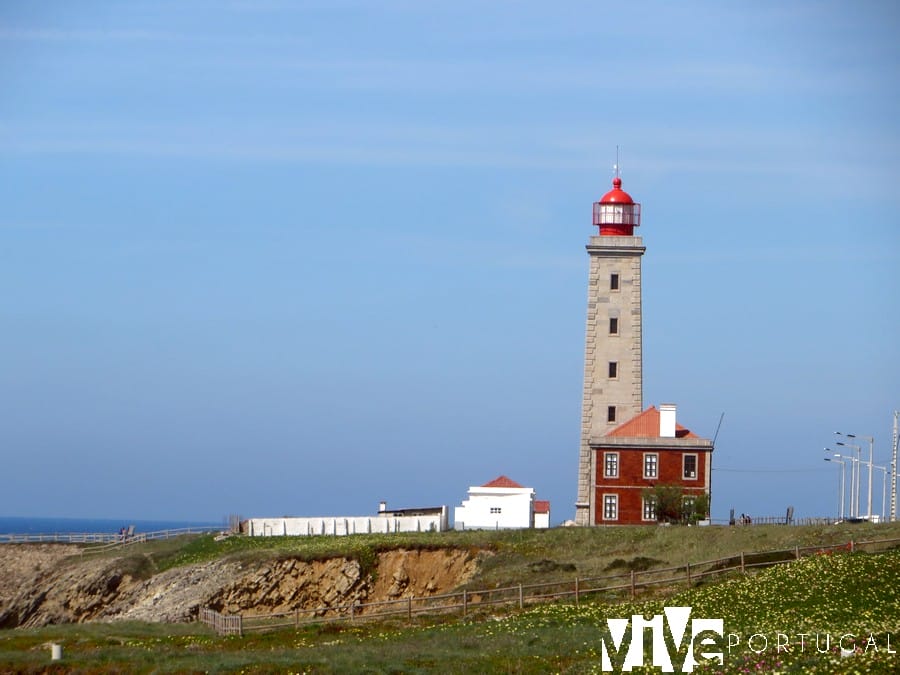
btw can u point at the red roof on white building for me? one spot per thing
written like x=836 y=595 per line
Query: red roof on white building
x=503 y=482
x=541 y=506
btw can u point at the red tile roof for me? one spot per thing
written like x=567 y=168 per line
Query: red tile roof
x=646 y=425
x=541 y=506
x=503 y=482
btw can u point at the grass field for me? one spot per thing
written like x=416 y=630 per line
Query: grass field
x=577 y=551
x=829 y=595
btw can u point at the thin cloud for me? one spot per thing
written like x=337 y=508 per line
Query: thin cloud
x=63 y=35
x=137 y=35
x=488 y=75
x=379 y=155
x=495 y=76
x=730 y=151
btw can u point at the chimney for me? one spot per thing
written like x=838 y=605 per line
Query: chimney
x=382 y=506
x=667 y=420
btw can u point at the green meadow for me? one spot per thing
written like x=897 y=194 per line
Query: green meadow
x=792 y=618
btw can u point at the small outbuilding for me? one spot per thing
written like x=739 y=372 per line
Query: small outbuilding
x=501 y=504
x=541 y=513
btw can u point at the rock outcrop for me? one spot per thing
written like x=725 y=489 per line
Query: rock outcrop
x=47 y=584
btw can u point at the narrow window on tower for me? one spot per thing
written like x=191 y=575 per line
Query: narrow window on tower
x=613 y=370
x=613 y=325
x=614 y=282
x=611 y=414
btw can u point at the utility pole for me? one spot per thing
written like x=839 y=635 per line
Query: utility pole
x=894 y=440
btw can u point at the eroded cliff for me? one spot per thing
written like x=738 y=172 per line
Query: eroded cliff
x=45 y=584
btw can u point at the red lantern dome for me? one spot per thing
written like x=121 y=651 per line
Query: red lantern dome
x=617 y=195
x=617 y=214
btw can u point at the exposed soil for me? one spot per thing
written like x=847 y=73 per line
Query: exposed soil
x=44 y=584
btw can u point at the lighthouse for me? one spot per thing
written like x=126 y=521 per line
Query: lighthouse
x=613 y=357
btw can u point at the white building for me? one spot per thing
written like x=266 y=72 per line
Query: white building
x=499 y=504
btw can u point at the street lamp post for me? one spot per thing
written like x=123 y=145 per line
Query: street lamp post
x=854 y=482
x=871 y=441
x=854 y=471
x=841 y=491
x=885 y=471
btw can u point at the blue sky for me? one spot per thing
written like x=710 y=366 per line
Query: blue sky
x=276 y=258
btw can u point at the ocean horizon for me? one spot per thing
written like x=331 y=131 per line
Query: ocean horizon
x=61 y=525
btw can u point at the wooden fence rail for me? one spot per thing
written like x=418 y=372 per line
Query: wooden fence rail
x=520 y=595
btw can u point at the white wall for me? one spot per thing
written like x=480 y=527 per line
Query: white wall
x=516 y=508
x=343 y=525
x=542 y=520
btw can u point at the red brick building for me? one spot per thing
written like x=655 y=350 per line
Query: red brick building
x=648 y=450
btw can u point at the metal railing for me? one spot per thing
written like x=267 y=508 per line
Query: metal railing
x=467 y=601
x=59 y=537
x=113 y=538
x=223 y=624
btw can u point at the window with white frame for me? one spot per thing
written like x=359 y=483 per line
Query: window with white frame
x=649 y=508
x=611 y=465
x=610 y=507
x=651 y=465
x=690 y=467
x=496 y=509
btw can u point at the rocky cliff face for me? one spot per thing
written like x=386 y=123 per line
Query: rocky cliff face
x=44 y=584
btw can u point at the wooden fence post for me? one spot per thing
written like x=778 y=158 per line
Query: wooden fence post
x=576 y=591
x=742 y=562
x=409 y=608
x=521 y=597
x=632 y=584
x=241 y=625
x=352 y=611
x=465 y=603
x=851 y=546
x=796 y=552
x=688 y=568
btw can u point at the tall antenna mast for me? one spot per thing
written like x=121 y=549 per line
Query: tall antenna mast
x=894 y=442
x=616 y=166
x=721 y=417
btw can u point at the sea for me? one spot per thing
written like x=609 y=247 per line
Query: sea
x=25 y=525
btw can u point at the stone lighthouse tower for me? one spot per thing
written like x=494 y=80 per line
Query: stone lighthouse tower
x=612 y=355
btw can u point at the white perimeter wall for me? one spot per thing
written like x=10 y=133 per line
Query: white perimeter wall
x=337 y=526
